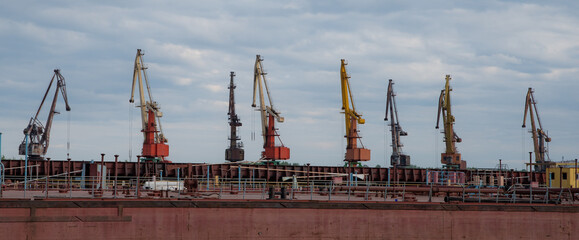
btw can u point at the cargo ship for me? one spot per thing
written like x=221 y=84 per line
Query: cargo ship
x=154 y=198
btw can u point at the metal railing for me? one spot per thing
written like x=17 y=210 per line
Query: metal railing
x=63 y=186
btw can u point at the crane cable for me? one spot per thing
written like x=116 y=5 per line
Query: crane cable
x=436 y=150
x=523 y=147
x=252 y=124
x=385 y=133
x=68 y=136
x=547 y=150
x=343 y=129
x=130 y=132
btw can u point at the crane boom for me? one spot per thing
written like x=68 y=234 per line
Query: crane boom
x=451 y=158
x=268 y=116
x=354 y=154
x=397 y=158
x=235 y=152
x=538 y=134
x=154 y=144
x=38 y=134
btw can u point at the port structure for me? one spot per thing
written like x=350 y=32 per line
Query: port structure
x=269 y=115
x=37 y=136
x=155 y=148
x=235 y=152
x=354 y=154
x=397 y=159
x=538 y=134
x=451 y=158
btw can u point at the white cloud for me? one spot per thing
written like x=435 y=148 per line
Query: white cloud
x=214 y=88
x=493 y=50
x=183 y=81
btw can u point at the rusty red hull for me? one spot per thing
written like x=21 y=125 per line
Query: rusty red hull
x=271 y=173
x=212 y=219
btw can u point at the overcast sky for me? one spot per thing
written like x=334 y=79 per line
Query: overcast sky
x=493 y=50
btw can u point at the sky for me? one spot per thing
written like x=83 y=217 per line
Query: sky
x=493 y=50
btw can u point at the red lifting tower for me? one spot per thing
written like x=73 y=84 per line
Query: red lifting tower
x=154 y=145
x=269 y=115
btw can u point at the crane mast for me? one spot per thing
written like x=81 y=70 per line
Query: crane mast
x=451 y=158
x=354 y=154
x=269 y=115
x=38 y=134
x=154 y=143
x=397 y=158
x=235 y=152
x=538 y=134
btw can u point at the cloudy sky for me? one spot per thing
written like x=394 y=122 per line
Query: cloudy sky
x=494 y=51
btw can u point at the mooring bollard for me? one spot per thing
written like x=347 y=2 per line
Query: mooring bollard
x=272 y=193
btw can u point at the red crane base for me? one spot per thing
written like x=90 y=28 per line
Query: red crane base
x=450 y=158
x=357 y=154
x=453 y=159
x=155 y=150
x=276 y=153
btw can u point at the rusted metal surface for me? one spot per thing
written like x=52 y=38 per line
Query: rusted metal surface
x=178 y=219
x=269 y=173
x=421 y=189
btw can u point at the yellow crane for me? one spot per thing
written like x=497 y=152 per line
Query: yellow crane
x=451 y=158
x=354 y=154
x=538 y=134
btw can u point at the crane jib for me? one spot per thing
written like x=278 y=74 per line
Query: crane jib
x=38 y=134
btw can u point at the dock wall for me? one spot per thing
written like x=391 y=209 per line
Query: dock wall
x=220 y=219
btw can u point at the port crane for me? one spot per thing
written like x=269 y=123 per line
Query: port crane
x=155 y=146
x=37 y=136
x=235 y=152
x=397 y=158
x=451 y=158
x=539 y=135
x=269 y=115
x=354 y=154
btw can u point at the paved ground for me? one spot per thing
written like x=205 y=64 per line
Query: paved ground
x=240 y=193
x=217 y=194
